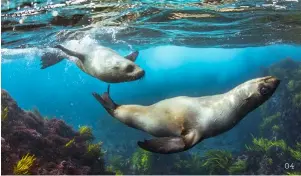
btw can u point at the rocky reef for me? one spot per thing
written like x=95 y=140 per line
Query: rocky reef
x=277 y=150
x=31 y=144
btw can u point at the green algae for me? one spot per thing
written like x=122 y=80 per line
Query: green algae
x=24 y=165
x=118 y=164
x=269 y=120
x=141 y=161
x=4 y=113
x=294 y=173
x=85 y=130
x=238 y=167
x=297 y=100
x=270 y=161
x=71 y=142
x=191 y=165
x=263 y=145
x=296 y=153
x=94 y=149
x=217 y=161
x=275 y=128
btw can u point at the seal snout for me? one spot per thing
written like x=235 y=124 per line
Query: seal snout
x=274 y=81
x=141 y=74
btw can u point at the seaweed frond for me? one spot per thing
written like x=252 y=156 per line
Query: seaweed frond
x=85 y=130
x=297 y=100
x=142 y=161
x=238 y=167
x=23 y=166
x=296 y=153
x=270 y=161
x=294 y=173
x=217 y=161
x=94 y=149
x=190 y=165
x=112 y=169
x=263 y=145
x=275 y=128
x=68 y=144
x=268 y=120
x=117 y=162
x=4 y=114
x=291 y=85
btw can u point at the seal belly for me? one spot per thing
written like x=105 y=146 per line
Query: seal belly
x=168 y=123
x=171 y=120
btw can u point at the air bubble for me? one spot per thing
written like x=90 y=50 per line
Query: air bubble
x=55 y=13
x=21 y=21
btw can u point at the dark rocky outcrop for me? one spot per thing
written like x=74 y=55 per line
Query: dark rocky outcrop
x=25 y=132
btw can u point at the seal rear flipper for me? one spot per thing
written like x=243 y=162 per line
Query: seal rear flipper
x=106 y=101
x=163 y=145
x=50 y=58
x=133 y=56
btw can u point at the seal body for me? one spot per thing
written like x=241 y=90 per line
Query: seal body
x=182 y=122
x=98 y=61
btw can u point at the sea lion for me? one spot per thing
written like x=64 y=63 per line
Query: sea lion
x=182 y=122
x=98 y=61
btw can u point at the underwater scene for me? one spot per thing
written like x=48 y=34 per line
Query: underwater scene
x=128 y=87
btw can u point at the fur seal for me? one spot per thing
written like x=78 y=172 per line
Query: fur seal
x=100 y=62
x=182 y=122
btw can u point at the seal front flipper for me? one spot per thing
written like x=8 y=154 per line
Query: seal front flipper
x=167 y=145
x=133 y=56
x=50 y=58
x=80 y=56
x=163 y=145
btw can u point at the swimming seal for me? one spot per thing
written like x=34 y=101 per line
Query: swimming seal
x=98 y=61
x=182 y=122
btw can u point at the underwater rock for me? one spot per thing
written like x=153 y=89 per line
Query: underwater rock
x=286 y=101
x=26 y=133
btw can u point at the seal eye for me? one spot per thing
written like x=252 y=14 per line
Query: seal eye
x=129 y=68
x=264 y=90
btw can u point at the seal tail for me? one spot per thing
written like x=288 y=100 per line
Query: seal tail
x=50 y=58
x=106 y=101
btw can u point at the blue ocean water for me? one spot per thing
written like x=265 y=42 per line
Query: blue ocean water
x=64 y=91
x=191 y=56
